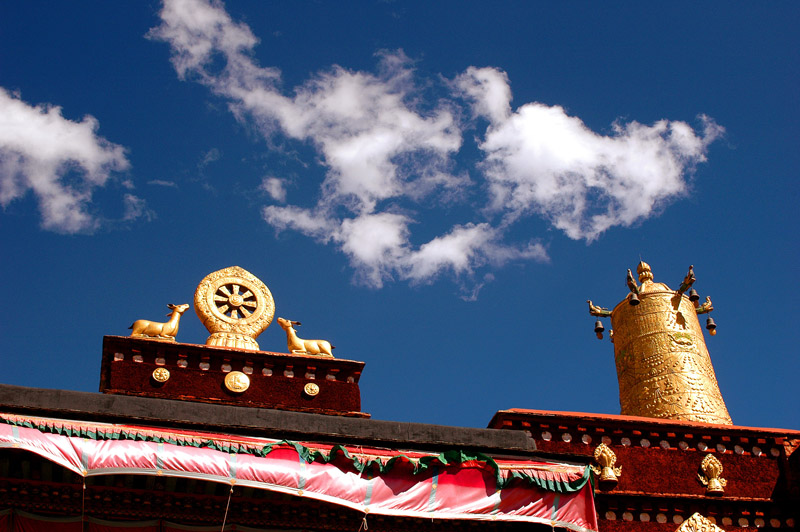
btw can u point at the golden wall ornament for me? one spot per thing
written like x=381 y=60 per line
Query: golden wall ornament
x=161 y=375
x=709 y=476
x=235 y=307
x=153 y=330
x=311 y=389
x=698 y=523
x=605 y=470
x=663 y=366
x=237 y=382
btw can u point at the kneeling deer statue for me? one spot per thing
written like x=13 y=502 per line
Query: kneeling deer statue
x=304 y=347
x=163 y=331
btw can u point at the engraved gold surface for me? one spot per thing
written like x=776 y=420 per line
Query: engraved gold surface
x=237 y=382
x=663 y=366
x=311 y=389
x=161 y=374
x=709 y=476
x=235 y=307
x=698 y=523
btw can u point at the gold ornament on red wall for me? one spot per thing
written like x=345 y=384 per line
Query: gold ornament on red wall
x=698 y=523
x=605 y=469
x=709 y=476
x=235 y=306
x=237 y=382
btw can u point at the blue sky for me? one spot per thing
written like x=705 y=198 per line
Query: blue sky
x=437 y=189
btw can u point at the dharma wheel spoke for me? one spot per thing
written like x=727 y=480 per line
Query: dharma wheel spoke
x=220 y=298
x=234 y=314
x=251 y=304
x=224 y=290
x=224 y=308
x=236 y=289
x=247 y=295
x=245 y=312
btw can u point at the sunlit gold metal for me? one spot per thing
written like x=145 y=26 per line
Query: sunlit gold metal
x=600 y=312
x=688 y=281
x=298 y=346
x=237 y=382
x=663 y=365
x=711 y=469
x=311 y=389
x=235 y=307
x=605 y=470
x=698 y=523
x=705 y=307
x=161 y=374
x=153 y=330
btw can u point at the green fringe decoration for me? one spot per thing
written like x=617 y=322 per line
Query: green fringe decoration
x=337 y=452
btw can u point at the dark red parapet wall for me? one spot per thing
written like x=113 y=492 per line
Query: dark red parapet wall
x=658 y=488
x=197 y=373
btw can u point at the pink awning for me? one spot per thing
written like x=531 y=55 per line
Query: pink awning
x=450 y=485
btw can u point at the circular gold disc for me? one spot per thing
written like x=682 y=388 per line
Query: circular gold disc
x=236 y=381
x=161 y=374
x=235 y=306
x=311 y=389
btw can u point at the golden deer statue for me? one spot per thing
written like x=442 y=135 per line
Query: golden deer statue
x=161 y=331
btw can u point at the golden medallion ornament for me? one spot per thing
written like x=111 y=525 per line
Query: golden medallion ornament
x=311 y=389
x=161 y=375
x=237 y=382
x=709 y=476
x=235 y=306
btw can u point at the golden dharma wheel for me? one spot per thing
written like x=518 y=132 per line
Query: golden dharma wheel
x=235 y=307
x=663 y=365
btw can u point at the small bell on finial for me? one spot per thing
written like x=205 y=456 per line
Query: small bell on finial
x=711 y=326
x=598 y=329
x=694 y=297
x=633 y=300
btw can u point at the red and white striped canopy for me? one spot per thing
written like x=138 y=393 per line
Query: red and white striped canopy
x=450 y=485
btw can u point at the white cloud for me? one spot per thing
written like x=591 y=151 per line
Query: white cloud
x=465 y=248
x=163 y=183
x=379 y=248
x=541 y=160
x=135 y=208
x=388 y=154
x=275 y=187
x=60 y=161
x=363 y=124
x=209 y=157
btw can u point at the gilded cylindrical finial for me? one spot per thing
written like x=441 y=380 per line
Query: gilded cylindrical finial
x=663 y=365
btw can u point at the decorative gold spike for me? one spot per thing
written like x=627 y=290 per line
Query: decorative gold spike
x=631 y=282
x=698 y=523
x=688 y=281
x=705 y=307
x=709 y=476
x=600 y=312
x=605 y=470
x=644 y=271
